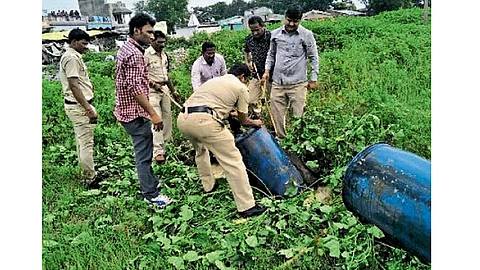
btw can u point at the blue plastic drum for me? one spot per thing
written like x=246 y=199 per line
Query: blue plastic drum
x=391 y=189
x=264 y=158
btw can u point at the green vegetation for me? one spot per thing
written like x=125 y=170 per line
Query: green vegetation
x=374 y=85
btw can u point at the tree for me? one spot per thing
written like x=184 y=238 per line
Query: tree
x=425 y=12
x=279 y=6
x=308 y=5
x=173 y=12
x=238 y=7
x=216 y=12
x=378 y=6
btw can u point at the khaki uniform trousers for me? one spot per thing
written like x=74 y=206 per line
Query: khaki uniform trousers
x=206 y=135
x=84 y=139
x=256 y=94
x=282 y=97
x=162 y=105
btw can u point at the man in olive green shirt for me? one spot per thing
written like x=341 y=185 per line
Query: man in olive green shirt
x=78 y=98
x=200 y=122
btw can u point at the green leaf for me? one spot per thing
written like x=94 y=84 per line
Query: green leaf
x=220 y=265
x=49 y=218
x=252 y=241
x=92 y=192
x=375 y=231
x=292 y=189
x=177 y=262
x=49 y=243
x=82 y=238
x=292 y=209
x=288 y=253
x=214 y=256
x=147 y=236
x=156 y=220
x=312 y=164
x=191 y=256
x=186 y=213
x=334 y=247
x=351 y=221
x=326 y=209
x=340 y=225
x=194 y=198
x=164 y=240
x=281 y=224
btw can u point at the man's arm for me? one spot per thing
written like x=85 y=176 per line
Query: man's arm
x=195 y=75
x=247 y=121
x=133 y=72
x=174 y=93
x=272 y=51
x=248 y=60
x=223 y=69
x=312 y=54
x=145 y=104
x=78 y=94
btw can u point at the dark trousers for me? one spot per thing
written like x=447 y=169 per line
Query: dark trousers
x=140 y=129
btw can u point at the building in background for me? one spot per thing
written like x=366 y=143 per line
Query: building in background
x=265 y=13
x=195 y=26
x=101 y=15
x=232 y=23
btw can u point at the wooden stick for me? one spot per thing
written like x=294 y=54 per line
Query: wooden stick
x=263 y=87
x=170 y=97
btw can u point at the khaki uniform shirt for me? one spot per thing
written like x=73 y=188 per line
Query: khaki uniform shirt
x=72 y=66
x=222 y=94
x=157 y=66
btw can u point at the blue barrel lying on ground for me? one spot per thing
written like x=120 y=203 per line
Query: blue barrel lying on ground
x=391 y=188
x=266 y=160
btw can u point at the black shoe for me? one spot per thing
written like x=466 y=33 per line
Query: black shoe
x=254 y=211
x=95 y=184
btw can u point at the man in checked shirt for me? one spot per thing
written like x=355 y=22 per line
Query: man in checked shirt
x=132 y=106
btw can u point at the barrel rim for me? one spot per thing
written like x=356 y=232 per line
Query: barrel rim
x=365 y=151
x=248 y=133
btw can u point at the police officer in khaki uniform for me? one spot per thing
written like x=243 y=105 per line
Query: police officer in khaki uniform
x=200 y=122
x=160 y=87
x=78 y=95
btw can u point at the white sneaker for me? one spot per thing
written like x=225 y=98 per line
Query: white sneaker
x=160 y=201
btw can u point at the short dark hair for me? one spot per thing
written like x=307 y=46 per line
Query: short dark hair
x=294 y=13
x=255 y=20
x=206 y=45
x=239 y=69
x=138 y=21
x=78 y=34
x=159 y=34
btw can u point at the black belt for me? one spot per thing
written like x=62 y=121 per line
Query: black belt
x=199 y=109
x=73 y=102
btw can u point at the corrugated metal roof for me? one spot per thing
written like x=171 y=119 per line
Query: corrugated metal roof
x=63 y=35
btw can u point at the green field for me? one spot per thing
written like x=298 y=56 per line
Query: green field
x=374 y=85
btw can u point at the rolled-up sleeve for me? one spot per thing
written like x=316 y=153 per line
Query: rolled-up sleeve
x=196 y=82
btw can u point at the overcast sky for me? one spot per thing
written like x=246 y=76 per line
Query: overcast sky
x=73 y=4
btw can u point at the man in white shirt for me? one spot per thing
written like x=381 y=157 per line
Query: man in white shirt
x=209 y=65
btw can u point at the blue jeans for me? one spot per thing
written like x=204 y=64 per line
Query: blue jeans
x=140 y=129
